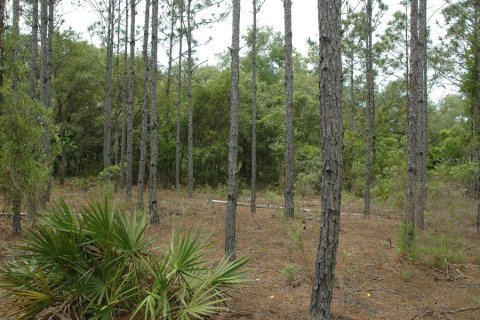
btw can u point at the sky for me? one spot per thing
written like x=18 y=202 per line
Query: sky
x=304 y=26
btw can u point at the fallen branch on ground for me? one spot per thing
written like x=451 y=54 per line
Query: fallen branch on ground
x=11 y=214
x=265 y=206
x=460 y=310
x=371 y=289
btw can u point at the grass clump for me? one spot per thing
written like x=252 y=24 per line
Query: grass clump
x=99 y=264
x=428 y=248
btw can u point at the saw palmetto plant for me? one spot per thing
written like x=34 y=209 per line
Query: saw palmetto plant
x=100 y=264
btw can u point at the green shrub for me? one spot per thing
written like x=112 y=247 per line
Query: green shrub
x=100 y=265
x=288 y=271
x=428 y=248
x=81 y=183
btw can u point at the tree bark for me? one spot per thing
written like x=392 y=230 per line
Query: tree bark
x=233 y=140
x=168 y=85
x=369 y=108
x=143 y=144
x=16 y=201
x=178 y=145
x=2 y=41
x=2 y=32
x=190 y=102
x=51 y=32
x=330 y=31
x=17 y=219
x=131 y=100
x=16 y=36
x=33 y=60
x=169 y=68
x=107 y=101
x=43 y=53
x=477 y=102
x=422 y=115
x=412 y=127
x=253 y=192
x=117 y=107
x=289 y=138
x=123 y=144
x=153 y=204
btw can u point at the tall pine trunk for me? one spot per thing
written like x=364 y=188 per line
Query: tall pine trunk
x=233 y=140
x=477 y=102
x=253 y=192
x=17 y=198
x=131 y=101
x=168 y=85
x=422 y=115
x=190 y=102
x=178 y=144
x=412 y=128
x=289 y=138
x=330 y=31
x=34 y=54
x=43 y=53
x=153 y=202
x=117 y=107
x=51 y=32
x=123 y=144
x=2 y=32
x=143 y=143
x=369 y=108
x=107 y=100
x=15 y=47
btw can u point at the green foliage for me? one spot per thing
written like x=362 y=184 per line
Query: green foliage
x=429 y=248
x=407 y=240
x=23 y=161
x=100 y=264
x=288 y=271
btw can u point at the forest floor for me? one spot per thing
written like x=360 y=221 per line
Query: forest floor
x=372 y=281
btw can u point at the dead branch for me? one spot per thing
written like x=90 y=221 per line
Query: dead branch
x=460 y=310
x=371 y=289
x=264 y=206
x=11 y=214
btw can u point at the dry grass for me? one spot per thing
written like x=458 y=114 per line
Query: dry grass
x=372 y=280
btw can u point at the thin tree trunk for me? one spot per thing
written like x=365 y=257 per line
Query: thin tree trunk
x=2 y=31
x=369 y=108
x=143 y=144
x=153 y=203
x=43 y=52
x=422 y=115
x=117 y=108
x=51 y=32
x=131 y=98
x=412 y=127
x=17 y=219
x=352 y=95
x=169 y=68
x=33 y=60
x=123 y=144
x=190 y=102
x=178 y=145
x=233 y=141
x=16 y=201
x=107 y=101
x=44 y=94
x=253 y=192
x=289 y=138
x=477 y=102
x=330 y=31
x=168 y=85
x=16 y=36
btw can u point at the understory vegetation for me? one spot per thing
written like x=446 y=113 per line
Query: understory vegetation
x=100 y=263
